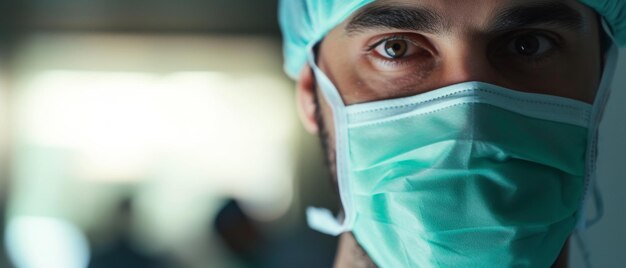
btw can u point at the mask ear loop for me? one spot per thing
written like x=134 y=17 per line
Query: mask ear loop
x=591 y=185
x=321 y=219
x=596 y=193
x=599 y=104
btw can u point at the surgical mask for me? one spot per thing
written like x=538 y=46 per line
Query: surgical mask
x=470 y=175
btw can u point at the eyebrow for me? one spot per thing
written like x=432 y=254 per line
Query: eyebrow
x=420 y=19
x=545 y=13
x=395 y=17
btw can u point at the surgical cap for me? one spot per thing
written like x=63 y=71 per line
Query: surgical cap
x=304 y=22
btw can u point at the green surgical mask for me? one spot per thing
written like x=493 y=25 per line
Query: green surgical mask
x=470 y=175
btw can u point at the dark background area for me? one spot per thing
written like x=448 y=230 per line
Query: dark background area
x=182 y=16
x=297 y=246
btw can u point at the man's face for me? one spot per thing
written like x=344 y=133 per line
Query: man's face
x=398 y=48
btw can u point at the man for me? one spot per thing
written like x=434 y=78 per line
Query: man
x=459 y=133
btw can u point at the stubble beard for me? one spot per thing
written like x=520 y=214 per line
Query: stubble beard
x=328 y=148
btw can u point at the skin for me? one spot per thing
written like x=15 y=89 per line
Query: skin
x=567 y=65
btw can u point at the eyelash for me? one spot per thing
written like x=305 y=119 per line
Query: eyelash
x=398 y=62
x=555 y=40
x=386 y=39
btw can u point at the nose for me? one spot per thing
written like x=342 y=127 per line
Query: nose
x=463 y=61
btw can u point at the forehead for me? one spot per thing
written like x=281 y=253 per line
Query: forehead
x=467 y=15
x=465 y=7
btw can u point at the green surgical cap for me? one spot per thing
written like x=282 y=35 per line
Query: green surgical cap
x=305 y=22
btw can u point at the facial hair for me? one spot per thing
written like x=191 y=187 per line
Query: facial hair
x=328 y=147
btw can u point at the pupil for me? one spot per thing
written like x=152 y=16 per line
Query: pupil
x=527 y=45
x=395 y=49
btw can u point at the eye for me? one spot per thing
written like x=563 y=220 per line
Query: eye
x=400 y=52
x=530 y=45
x=395 y=48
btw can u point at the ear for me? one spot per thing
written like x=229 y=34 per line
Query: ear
x=305 y=98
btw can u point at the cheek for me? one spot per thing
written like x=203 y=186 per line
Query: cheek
x=353 y=87
x=580 y=73
x=584 y=78
x=574 y=81
x=583 y=68
x=328 y=125
x=574 y=74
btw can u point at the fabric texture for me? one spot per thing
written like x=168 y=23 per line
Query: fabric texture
x=472 y=175
x=305 y=22
x=419 y=175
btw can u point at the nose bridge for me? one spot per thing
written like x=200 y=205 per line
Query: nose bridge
x=464 y=61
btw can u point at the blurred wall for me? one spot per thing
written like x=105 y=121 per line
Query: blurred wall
x=201 y=16
x=607 y=239
x=155 y=39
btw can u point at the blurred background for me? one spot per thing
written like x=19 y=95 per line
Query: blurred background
x=153 y=134
x=160 y=133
